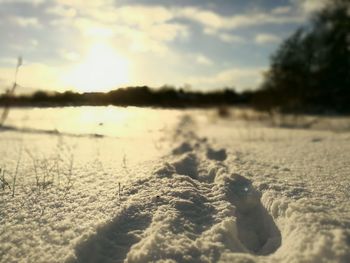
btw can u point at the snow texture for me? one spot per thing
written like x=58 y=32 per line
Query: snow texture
x=207 y=190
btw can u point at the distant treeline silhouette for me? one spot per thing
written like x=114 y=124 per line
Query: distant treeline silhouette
x=131 y=96
x=310 y=72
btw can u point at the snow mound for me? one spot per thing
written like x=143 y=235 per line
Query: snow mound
x=184 y=220
x=182 y=214
x=198 y=190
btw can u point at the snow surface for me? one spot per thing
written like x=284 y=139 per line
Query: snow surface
x=172 y=186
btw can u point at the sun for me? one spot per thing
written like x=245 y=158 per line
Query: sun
x=102 y=70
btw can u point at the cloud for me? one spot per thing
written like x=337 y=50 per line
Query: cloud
x=26 y=45
x=61 y=11
x=8 y=61
x=34 y=42
x=267 y=39
x=35 y=75
x=145 y=28
x=154 y=39
x=223 y=36
x=90 y=28
x=152 y=28
x=229 y=38
x=144 y=16
x=281 y=10
x=167 y=32
x=33 y=2
x=203 y=60
x=218 y=22
x=204 y=17
x=25 y=21
x=69 y=55
x=99 y=10
x=240 y=78
x=311 y=6
x=82 y=4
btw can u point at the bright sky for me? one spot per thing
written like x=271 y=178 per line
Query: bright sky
x=98 y=45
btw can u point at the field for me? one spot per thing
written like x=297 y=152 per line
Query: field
x=111 y=184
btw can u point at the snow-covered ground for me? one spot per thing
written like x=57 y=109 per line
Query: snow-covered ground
x=144 y=185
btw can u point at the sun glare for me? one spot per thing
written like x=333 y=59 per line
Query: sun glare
x=103 y=69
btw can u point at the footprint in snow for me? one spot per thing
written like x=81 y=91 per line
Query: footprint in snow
x=256 y=228
x=218 y=155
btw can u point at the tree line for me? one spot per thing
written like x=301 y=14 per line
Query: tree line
x=131 y=96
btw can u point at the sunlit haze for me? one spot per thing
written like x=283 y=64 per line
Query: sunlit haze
x=103 y=69
x=100 y=45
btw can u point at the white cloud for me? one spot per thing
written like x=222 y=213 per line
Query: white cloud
x=105 y=11
x=34 y=2
x=223 y=36
x=239 y=78
x=81 y=4
x=99 y=10
x=150 y=21
x=167 y=32
x=91 y=28
x=8 y=61
x=203 y=17
x=145 y=28
x=35 y=75
x=151 y=28
x=34 y=42
x=311 y=6
x=62 y=11
x=25 y=21
x=25 y=45
x=229 y=38
x=281 y=10
x=154 y=39
x=69 y=55
x=267 y=38
x=144 y=16
x=218 y=22
x=203 y=60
